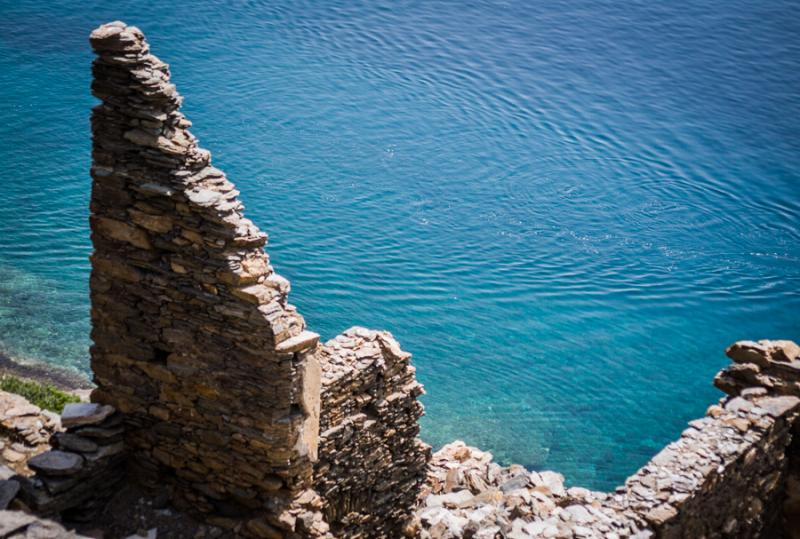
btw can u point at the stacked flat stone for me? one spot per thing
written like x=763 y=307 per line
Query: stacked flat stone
x=83 y=469
x=371 y=461
x=773 y=365
x=194 y=339
x=724 y=477
x=219 y=384
x=25 y=431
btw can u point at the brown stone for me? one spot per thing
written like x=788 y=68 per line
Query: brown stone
x=661 y=514
x=256 y=293
x=121 y=231
x=263 y=529
x=160 y=224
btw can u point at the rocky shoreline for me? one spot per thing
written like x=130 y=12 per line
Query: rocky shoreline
x=63 y=379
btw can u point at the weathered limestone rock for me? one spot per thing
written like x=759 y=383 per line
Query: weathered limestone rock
x=56 y=463
x=772 y=365
x=469 y=495
x=724 y=477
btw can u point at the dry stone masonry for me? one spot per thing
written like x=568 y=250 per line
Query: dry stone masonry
x=371 y=464
x=773 y=365
x=194 y=338
x=25 y=431
x=84 y=468
x=734 y=473
x=195 y=342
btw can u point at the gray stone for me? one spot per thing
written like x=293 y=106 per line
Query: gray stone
x=778 y=406
x=520 y=481
x=578 y=513
x=6 y=472
x=738 y=404
x=203 y=197
x=452 y=499
x=56 y=463
x=8 y=491
x=99 y=433
x=152 y=533
x=84 y=413
x=156 y=189
x=73 y=442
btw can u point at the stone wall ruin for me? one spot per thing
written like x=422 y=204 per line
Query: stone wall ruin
x=371 y=463
x=195 y=341
x=734 y=473
x=230 y=403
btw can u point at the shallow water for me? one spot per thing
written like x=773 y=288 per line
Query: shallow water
x=565 y=211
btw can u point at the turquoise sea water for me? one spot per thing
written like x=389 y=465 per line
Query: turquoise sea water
x=565 y=210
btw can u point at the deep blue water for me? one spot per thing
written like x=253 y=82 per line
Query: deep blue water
x=565 y=210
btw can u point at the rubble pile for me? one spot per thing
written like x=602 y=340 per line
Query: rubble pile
x=469 y=495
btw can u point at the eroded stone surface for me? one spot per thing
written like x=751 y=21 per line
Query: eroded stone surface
x=771 y=365
x=215 y=374
x=25 y=431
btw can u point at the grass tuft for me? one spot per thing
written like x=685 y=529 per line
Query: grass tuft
x=45 y=396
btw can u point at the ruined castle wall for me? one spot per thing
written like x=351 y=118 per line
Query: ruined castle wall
x=194 y=339
x=372 y=463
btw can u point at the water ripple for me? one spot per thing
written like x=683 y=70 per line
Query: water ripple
x=565 y=211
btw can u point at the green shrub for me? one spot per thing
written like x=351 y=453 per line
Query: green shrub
x=45 y=396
